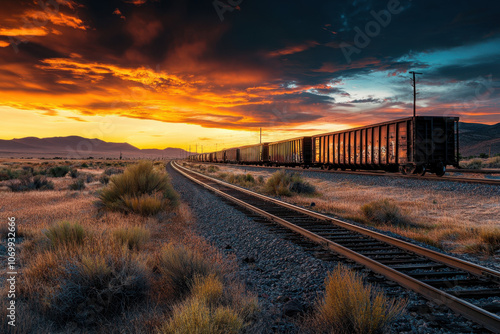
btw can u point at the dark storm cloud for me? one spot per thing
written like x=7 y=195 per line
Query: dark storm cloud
x=265 y=55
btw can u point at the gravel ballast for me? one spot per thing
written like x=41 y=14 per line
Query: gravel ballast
x=287 y=279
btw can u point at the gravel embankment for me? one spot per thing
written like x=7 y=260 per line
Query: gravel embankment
x=441 y=187
x=286 y=279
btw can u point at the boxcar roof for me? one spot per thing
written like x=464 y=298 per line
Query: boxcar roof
x=380 y=124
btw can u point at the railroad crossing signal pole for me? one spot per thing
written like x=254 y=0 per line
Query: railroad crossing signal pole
x=414 y=135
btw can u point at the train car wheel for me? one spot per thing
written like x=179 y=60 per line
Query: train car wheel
x=402 y=170
x=420 y=170
x=440 y=170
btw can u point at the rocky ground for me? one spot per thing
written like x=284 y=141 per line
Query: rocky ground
x=287 y=279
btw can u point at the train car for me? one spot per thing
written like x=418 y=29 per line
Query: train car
x=220 y=156
x=255 y=154
x=410 y=145
x=291 y=152
x=232 y=155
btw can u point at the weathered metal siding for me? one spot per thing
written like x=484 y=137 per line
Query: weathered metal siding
x=389 y=144
x=293 y=152
x=232 y=155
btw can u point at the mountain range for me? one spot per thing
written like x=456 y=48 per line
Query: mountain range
x=79 y=147
x=474 y=139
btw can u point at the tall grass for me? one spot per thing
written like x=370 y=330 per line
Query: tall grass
x=195 y=316
x=385 y=212
x=283 y=183
x=65 y=234
x=180 y=266
x=142 y=189
x=133 y=238
x=349 y=306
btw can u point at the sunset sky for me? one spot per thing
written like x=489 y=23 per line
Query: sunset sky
x=159 y=73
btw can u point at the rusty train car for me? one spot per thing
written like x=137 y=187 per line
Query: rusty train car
x=413 y=145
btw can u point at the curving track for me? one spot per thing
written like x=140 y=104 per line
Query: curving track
x=449 y=281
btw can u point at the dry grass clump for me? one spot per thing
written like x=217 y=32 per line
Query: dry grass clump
x=142 y=189
x=283 y=183
x=112 y=171
x=65 y=234
x=212 y=169
x=349 y=306
x=195 y=316
x=211 y=307
x=133 y=238
x=180 y=266
x=28 y=182
x=385 y=212
x=94 y=288
x=489 y=242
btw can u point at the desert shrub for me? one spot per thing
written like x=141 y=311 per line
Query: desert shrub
x=78 y=184
x=94 y=288
x=195 y=316
x=58 y=171
x=349 y=306
x=84 y=165
x=212 y=169
x=141 y=189
x=65 y=234
x=104 y=179
x=244 y=180
x=113 y=171
x=73 y=173
x=493 y=162
x=88 y=178
x=283 y=183
x=472 y=164
x=180 y=266
x=384 y=212
x=9 y=174
x=133 y=238
x=27 y=183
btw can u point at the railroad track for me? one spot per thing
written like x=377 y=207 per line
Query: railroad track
x=381 y=173
x=445 y=280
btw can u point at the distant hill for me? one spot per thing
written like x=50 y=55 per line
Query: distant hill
x=79 y=147
x=478 y=138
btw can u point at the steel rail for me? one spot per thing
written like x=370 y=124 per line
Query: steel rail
x=468 y=310
x=378 y=173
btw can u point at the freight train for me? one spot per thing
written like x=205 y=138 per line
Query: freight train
x=413 y=145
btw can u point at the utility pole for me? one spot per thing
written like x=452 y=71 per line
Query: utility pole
x=414 y=130
x=261 y=135
x=414 y=92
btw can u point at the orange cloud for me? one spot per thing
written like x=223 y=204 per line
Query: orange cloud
x=293 y=49
x=55 y=17
x=36 y=31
